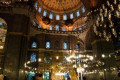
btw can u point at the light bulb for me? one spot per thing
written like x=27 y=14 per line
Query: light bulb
x=108 y=3
x=115 y=2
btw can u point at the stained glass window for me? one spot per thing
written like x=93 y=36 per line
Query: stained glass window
x=46 y=76
x=39 y=26
x=77 y=13
x=50 y=28
x=79 y=28
x=71 y=15
x=63 y=29
x=35 y=5
x=1 y=24
x=34 y=45
x=78 y=46
x=57 y=17
x=74 y=28
x=33 y=57
x=48 y=44
x=64 y=17
x=45 y=13
x=65 y=46
x=57 y=27
x=83 y=10
x=51 y=16
x=34 y=23
x=40 y=9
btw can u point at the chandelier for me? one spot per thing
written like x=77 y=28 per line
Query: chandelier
x=108 y=21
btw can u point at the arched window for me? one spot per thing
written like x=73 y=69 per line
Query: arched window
x=77 y=13
x=45 y=13
x=1 y=24
x=57 y=27
x=64 y=17
x=39 y=25
x=48 y=44
x=63 y=28
x=35 y=5
x=83 y=10
x=33 y=57
x=65 y=45
x=74 y=28
x=50 y=27
x=57 y=17
x=40 y=9
x=71 y=15
x=34 y=45
x=34 y=23
x=51 y=15
x=3 y=31
x=79 y=28
x=78 y=46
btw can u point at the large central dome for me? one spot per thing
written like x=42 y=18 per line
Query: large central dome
x=60 y=15
x=60 y=5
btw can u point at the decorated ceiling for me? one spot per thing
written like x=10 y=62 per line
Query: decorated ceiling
x=60 y=5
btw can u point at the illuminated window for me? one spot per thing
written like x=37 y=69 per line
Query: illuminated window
x=48 y=44
x=39 y=26
x=65 y=46
x=78 y=46
x=57 y=17
x=40 y=9
x=35 y=5
x=64 y=17
x=34 y=23
x=1 y=24
x=71 y=15
x=74 y=28
x=57 y=27
x=80 y=28
x=51 y=16
x=83 y=10
x=50 y=28
x=46 y=76
x=33 y=57
x=77 y=13
x=45 y=13
x=34 y=45
x=63 y=29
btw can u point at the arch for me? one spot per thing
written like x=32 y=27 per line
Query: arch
x=3 y=32
x=48 y=44
x=3 y=21
x=34 y=43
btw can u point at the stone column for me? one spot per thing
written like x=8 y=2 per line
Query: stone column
x=16 y=47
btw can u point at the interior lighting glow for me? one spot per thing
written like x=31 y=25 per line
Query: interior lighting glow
x=39 y=59
x=103 y=55
x=1 y=47
x=91 y=58
x=57 y=57
x=59 y=74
